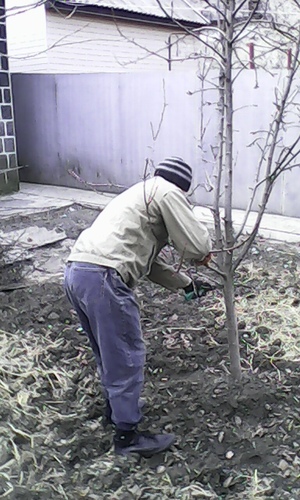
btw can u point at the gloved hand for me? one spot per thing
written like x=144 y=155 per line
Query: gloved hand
x=197 y=289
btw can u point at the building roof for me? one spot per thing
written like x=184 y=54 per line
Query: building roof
x=180 y=10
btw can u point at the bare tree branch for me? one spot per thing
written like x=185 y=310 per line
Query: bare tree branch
x=269 y=178
x=239 y=7
x=187 y=30
x=250 y=18
x=155 y=134
x=92 y=185
x=221 y=12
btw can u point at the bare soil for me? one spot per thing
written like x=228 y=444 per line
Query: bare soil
x=235 y=441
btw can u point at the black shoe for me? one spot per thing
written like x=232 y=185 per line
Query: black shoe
x=107 y=420
x=143 y=443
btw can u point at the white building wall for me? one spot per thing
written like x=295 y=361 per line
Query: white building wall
x=26 y=36
x=44 y=41
x=89 y=44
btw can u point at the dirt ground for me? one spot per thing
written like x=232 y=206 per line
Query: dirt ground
x=233 y=441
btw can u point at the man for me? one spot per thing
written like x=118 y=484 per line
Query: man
x=108 y=258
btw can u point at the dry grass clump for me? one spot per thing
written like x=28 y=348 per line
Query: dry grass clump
x=271 y=313
x=25 y=375
x=268 y=316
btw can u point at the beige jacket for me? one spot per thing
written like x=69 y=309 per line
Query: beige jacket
x=134 y=227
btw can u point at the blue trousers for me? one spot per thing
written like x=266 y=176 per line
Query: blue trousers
x=110 y=316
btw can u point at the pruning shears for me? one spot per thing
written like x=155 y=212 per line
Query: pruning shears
x=201 y=288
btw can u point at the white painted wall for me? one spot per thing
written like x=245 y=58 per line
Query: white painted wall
x=46 y=41
x=89 y=44
x=26 y=36
x=41 y=41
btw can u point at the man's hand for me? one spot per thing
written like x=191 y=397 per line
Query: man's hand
x=196 y=289
x=205 y=261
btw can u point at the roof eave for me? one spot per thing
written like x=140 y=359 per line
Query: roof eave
x=110 y=12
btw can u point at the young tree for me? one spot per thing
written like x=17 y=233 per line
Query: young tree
x=274 y=26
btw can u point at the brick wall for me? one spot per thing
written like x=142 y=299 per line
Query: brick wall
x=9 y=177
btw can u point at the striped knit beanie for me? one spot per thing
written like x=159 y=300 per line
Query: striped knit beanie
x=175 y=170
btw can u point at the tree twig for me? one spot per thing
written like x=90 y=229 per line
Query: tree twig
x=93 y=185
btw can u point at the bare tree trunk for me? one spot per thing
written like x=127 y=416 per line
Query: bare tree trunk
x=219 y=173
x=219 y=170
x=232 y=331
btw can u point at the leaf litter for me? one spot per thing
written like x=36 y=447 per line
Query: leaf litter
x=234 y=441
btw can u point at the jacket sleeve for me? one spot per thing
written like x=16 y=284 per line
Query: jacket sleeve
x=189 y=236
x=166 y=276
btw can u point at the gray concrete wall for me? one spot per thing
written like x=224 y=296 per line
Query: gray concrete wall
x=104 y=126
x=9 y=180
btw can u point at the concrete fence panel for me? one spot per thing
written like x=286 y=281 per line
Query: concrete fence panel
x=104 y=127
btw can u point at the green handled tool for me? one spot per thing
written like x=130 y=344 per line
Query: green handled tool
x=201 y=288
